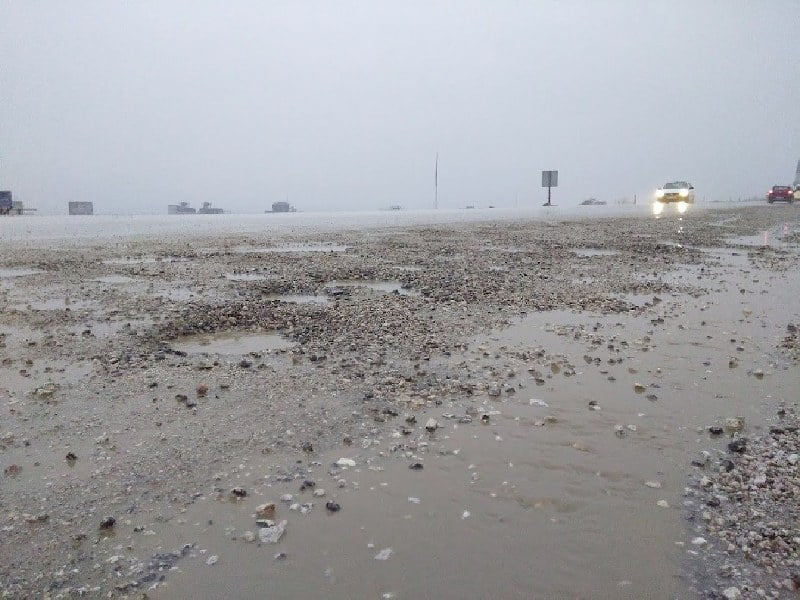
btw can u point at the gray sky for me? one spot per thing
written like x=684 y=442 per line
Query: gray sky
x=344 y=105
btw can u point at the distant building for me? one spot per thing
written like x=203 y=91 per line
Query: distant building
x=5 y=202
x=282 y=207
x=81 y=208
x=180 y=209
x=207 y=210
x=9 y=206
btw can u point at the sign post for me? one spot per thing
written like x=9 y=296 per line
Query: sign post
x=549 y=180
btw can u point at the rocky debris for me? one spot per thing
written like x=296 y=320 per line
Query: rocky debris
x=266 y=510
x=107 y=523
x=333 y=506
x=378 y=356
x=273 y=533
x=12 y=470
x=747 y=510
x=432 y=425
x=238 y=492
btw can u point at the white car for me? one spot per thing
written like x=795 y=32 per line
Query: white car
x=676 y=191
x=679 y=192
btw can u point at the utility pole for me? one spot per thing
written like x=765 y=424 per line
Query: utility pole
x=436 y=183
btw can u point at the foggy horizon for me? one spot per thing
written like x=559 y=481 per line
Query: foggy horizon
x=344 y=106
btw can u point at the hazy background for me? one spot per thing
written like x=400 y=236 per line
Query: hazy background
x=343 y=105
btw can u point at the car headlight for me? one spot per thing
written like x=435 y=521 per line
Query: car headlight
x=659 y=193
x=682 y=207
x=684 y=193
x=658 y=208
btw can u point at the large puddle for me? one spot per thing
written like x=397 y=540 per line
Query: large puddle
x=233 y=344
x=113 y=279
x=593 y=252
x=245 y=276
x=9 y=273
x=386 y=287
x=298 y=298
x=287 y=248
x=56 y=303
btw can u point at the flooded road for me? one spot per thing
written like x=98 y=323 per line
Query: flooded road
x=426 y=414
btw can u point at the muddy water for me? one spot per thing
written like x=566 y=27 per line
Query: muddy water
x=233 y=344
x=548 y=498
x=388 y=287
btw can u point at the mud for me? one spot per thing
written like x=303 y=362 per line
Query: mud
x=570 y=395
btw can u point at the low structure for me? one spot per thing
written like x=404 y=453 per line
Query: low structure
x=180 y=209
x=282 y=207
x=207 y=210
x=81 y=208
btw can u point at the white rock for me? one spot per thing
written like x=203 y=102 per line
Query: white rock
x=663 y=504
x=319 y=493
x=466 y=514
x=271 y=535
x=345 y=462
x=432 y=424
x=287 y=498
x=731 y=593
x=793 y=458
x=212 y=560
x=384 y=554
x=699 y=541
x=653 y=484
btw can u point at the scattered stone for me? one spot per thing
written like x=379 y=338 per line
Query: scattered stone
x=319 y=493
x=639 y=388
x=333 y=506
x=733 y=424
x=738 y=445
x=202 y=390
x=272 y=534
x=107 y=523
x=345 y=462
x=432 y=425
x=731 y=593
x=12 y=470
x=239 y=492
x=653 y=484
x=384 y=554
x=417 y=466
x=212 y=560
x=265 y=511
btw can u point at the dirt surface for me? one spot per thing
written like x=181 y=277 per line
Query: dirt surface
x=523 y=411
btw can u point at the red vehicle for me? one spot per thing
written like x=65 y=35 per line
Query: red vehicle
x=780 y=193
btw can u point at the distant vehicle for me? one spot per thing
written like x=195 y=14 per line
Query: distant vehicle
x=780 y=193
x=593 y=202
x=676 y=191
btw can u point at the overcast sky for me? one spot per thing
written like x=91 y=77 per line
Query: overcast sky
x=343 y=105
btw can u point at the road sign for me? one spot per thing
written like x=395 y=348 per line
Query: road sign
x=549 y=180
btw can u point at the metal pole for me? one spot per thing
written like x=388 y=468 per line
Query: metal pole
x=436 y=183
